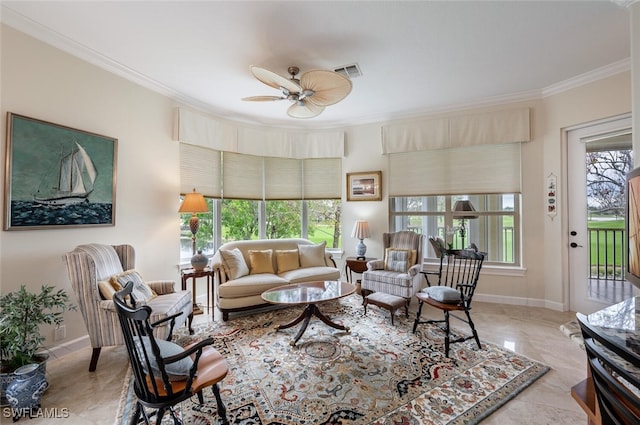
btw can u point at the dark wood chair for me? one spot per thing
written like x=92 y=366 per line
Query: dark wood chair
x=164 y=373
x=617 y=389
x=453 y=289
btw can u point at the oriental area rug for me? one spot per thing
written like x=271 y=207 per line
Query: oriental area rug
x=377 y=373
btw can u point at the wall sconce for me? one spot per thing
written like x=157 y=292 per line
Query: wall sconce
x=464 y=207
x=361 y=231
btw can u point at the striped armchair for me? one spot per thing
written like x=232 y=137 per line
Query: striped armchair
x=399 y=272
x=90 y=264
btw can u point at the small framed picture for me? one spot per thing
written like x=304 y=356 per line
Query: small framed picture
x=57 y=176
x=365 y=186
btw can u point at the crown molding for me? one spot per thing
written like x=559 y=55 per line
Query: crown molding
x=588 y=77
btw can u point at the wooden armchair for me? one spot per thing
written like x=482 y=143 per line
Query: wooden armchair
x=166 y=374
x=453 y=291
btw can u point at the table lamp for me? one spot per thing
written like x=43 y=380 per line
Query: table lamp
x=361 y=231
x=465 y=207
x=194 y=203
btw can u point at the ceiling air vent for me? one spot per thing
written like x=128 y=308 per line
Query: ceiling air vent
x=349 y=71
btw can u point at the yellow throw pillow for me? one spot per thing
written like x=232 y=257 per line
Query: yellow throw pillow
x=261 y=261
x=287 y=260
x=312 y=255
x=106 y=289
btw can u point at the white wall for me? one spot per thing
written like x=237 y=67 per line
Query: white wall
x=42 y=82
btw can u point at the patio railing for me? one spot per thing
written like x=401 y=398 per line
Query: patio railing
x=607 y=254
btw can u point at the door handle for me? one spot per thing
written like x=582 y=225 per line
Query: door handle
x=574 y=245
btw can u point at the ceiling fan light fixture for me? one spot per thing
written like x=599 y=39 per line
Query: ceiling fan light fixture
x=321 y=87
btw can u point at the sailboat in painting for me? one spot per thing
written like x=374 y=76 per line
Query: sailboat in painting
x=76 y=176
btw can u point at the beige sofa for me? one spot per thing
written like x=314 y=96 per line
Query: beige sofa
x=245 y=269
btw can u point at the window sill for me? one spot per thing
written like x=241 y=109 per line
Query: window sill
x=487 y=269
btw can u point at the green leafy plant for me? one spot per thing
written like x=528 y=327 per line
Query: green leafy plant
x=21 y=314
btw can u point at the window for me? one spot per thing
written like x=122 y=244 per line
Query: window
x=496 y=230
x=241 y=219
x=260 y=197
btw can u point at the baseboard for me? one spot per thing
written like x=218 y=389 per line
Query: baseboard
x=529 y=302
x=69 y=347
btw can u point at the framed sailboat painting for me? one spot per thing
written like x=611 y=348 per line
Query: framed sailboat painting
x=57 y=176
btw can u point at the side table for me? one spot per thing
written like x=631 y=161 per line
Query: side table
x=193 y=274
x=355 y=265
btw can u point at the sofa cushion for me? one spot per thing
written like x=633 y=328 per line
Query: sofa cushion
x=310 y=274
x=261 y=261
x=287 y=259
x=253 y=284
x=234 y=263
x=168 y=304
x=141 y=291
x=312 y=255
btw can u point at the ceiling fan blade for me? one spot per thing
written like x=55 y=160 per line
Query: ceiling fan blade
x=329 y=87
x=263 y=98
x=304 y=110
x=274 y=80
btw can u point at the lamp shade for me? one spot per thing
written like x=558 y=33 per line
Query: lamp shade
x=360 y=229
x=193 y=202
x=464 y=207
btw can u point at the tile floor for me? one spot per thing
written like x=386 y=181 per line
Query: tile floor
x=92 y=398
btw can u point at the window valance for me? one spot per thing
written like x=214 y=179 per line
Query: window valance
x=200 y=130
x=499 y=127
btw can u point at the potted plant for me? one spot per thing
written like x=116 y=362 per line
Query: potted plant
x=21 y=315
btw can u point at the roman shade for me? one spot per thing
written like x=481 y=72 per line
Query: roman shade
x=234 y=162
x=470 y=154
x=200 y=168
x=459 y=171
x=237 y=176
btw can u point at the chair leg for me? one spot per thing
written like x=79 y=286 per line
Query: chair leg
x=417 y=321
x=94 y=359
x=200 y=397
x=160 y=415
x=222 y=410
x=447 y=339
x=473 y=329
x=190 y=319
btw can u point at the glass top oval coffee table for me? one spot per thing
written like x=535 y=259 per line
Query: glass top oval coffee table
x=311 y=294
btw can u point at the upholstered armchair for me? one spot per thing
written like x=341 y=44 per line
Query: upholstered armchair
x=96 y=270
x=399 y=272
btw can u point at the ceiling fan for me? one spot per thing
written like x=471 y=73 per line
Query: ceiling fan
x=309 y=95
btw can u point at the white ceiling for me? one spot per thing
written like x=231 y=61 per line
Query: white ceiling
x=416 y=56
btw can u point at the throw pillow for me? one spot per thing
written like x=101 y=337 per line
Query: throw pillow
x=312 y=255
x=141 y=291
x=234 y=263
x=287 y=260
x=177 y=371
x=107 y=289
x=261 y=261
x=443 y=294
x=396 y=260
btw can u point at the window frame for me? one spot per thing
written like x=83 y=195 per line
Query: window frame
x=449 y=217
